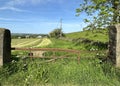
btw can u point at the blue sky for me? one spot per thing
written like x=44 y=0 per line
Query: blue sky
x=40 y=16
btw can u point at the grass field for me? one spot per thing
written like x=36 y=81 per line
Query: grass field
x=30 y=42
x=91 y=71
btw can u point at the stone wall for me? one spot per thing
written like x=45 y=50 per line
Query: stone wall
x=5 y=46
x=114 y=44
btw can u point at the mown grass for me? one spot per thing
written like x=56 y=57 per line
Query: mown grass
x=21 y=41
x=30 y=42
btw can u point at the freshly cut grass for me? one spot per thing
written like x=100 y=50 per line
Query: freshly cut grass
x=21 y=42
x=28 y=43
x=44 y=42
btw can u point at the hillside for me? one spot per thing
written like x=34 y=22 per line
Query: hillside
x=97 y=35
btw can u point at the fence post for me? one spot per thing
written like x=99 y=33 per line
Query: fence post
x=5 y=46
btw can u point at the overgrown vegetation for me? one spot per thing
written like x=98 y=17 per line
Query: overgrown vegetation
x=29 y=72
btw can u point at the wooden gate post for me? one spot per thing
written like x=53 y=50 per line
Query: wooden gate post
x=114 y=44
x=5 y=46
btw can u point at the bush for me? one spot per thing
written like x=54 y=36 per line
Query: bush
x=56 y=33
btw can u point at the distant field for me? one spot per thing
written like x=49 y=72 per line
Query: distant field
x=30 y=42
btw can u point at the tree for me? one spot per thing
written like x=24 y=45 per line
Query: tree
x=101 y=13
x=56 y=33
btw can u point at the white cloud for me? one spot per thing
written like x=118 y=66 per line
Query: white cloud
x=11 y=5
x=12 y=9
x=23 y=2
x=11 y=19
x=14 y=2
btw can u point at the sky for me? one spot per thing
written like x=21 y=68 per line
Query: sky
x=40 y=16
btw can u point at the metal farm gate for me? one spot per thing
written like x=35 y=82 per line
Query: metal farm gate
x=51 y=53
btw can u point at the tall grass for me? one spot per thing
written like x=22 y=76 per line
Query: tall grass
x=30 y=72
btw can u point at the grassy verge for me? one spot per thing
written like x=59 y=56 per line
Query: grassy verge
x=29 y=72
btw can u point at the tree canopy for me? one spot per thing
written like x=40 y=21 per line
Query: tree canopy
x=102 y=13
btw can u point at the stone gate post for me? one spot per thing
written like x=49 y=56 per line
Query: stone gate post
x=5 y=46
x=114 y=44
